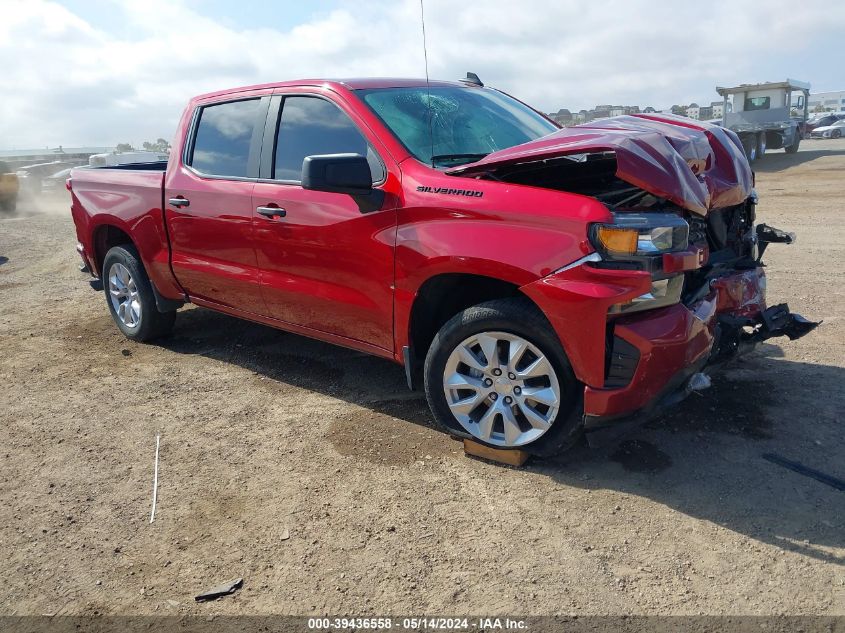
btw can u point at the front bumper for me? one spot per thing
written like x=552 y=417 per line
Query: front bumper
x=634 y=366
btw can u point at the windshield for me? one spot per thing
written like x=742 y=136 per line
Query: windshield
x=466 y=123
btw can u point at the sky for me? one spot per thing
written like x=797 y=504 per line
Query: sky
x=99 y=72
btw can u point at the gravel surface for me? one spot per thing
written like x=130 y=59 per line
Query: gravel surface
x=312 y=472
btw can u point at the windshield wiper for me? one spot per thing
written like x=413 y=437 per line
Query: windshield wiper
x=469 y=158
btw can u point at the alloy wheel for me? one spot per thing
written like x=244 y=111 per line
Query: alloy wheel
x=501 y=388
x=123 y=293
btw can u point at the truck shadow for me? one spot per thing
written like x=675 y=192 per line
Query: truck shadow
x=281 y=360
x=779 y=161
x=703 y=459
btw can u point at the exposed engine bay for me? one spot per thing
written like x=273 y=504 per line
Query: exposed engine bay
x=699 y=253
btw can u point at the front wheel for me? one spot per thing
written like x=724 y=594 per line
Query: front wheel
x=130 y=298
x=791 y=149
x=497 y=374
x=836 y=134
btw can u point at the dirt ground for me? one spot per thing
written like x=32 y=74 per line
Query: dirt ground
x=313 y=473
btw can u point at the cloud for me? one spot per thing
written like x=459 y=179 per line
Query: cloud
x=68 y=82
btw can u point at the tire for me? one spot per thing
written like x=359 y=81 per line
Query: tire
x=508 y=321
x=792 y=149
x=129 y=296
x=9 y=205
x=750 y=145
x=761 y=145
x=836 y=134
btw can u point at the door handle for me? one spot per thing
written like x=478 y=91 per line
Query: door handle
x=179 y=202
x=271 y=212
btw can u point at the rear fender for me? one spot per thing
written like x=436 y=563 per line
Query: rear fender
x=146 y=234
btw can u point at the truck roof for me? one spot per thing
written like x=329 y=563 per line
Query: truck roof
x=789 y=84
x=356 y=83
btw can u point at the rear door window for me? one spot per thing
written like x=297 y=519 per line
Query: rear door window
x=223 y=138
x=311 y=126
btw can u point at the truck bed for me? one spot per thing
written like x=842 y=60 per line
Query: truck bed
x=160 y=165
x=127 y=198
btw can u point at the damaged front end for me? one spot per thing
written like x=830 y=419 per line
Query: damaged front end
x=732 y=275
x=676 y=282
x=656 y=352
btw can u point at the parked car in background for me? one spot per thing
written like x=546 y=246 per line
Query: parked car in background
x=834 y=130
x=9 y=187
x=822 y=120
x=32 y=176
x=55 y=183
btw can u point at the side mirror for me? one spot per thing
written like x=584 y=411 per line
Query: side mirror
x=339 y=173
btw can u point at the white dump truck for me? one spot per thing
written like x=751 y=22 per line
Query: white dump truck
x=765 y=116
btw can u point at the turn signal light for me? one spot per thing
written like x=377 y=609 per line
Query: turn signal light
x=618 y=241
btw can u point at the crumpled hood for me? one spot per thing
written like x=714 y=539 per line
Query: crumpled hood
x=696 y=165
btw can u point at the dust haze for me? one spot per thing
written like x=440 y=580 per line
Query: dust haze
x=35 y=204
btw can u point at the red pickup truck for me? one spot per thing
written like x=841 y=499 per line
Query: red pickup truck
x=539 y=282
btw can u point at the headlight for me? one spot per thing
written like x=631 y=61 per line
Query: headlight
x=658 y=240
x=641 y=240
x=664 y=292
x=640 y=235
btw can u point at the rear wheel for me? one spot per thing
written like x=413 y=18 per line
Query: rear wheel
x=761 y=145
x=497 y=374
x=130 y=298
x=749 y=143
x=796 y=141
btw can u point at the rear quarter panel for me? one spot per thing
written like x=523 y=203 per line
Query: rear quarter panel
x=132 y=202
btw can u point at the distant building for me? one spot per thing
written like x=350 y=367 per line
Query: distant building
x=693 y=111
x=562 y=117
x=567 y=117
x=824 y=101
x=19 y=158
x=718 y=108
